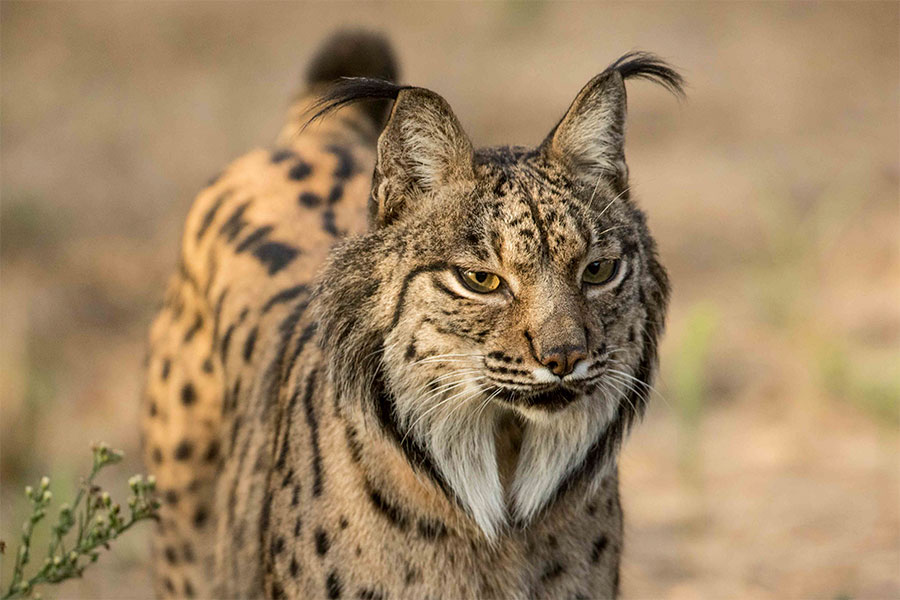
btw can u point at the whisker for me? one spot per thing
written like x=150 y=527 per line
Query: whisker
x=619 y=195
x=608 y=229
x=622 y=394
x=453 y=373
x=444 y=388
x=438 y=405
x=452 y=355
x=486 y=401
x=644 y=384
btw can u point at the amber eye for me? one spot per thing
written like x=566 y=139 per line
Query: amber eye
x=600 y=271
x=479 y=281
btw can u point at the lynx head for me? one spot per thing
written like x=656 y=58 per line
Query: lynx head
x=497 y=282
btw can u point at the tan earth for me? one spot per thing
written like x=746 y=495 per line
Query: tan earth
x=768 y=466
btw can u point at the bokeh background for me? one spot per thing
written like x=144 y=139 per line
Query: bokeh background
x=769 y=463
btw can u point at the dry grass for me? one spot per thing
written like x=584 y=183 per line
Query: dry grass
x=769 y=465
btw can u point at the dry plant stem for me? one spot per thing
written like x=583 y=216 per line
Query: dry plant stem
x=98 y=523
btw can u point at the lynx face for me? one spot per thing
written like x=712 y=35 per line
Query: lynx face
x=521 y=282
x=532 y=299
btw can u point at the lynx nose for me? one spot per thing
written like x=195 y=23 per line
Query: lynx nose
x=561 y=359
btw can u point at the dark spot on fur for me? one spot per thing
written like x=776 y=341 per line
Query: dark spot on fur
x=188 y=589
x=275 y=255
x=599 y=546
x=249 y=343
x=370 y=594
x=300 y=171
x=183 y=450
x=288 y=478
x=235 y=223
x=166 y=367
x=212 y=452
x=552 y=571
x=297 y=525
x=278 y=545
x=265 y=515
x=207 y=365
x=283 y=296
x=344 y=523
x=157 y=455
x=345 y=166
x=431 y=530
x=295 y=567
x=254 y=238
x=353 y=443
x=333 y=586
x=170 y=587
x=188 y=552
x=188 y=395
x=335 y=194
x=393 y=512
x=310 y=199
x=282 y=154
x=321 y=542
x=201 y=515
x=278 y=592
x=171 y=497
x=195 y=327
x=226 y=341
x=313 y=424
x=295 y=496
x=171 y=557
x=211 y=214
x=328 y=223
x=412 y=574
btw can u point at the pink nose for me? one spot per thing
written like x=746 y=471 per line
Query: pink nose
x=561 y=359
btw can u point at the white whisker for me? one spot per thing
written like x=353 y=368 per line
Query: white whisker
x=619 y=195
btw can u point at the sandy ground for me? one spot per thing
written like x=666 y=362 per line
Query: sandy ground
x=768 y=466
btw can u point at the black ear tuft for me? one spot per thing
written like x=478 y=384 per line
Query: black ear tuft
x=646 y=65
x=354 y=89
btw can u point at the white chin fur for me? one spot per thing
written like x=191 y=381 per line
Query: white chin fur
x=457 y=428
x=551 y=448
x=459 y=435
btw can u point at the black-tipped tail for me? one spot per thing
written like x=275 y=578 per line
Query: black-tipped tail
x=646 y=65
x=349 y=55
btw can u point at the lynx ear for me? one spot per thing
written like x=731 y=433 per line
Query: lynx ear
x=422 y=148
x=590 y=139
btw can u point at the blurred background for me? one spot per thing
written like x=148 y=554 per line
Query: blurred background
x=769 y=463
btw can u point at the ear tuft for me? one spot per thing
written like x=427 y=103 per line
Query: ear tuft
x=646 y=65
x=349 y=90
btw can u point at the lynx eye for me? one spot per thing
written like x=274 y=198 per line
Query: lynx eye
x=600 y=272
x=481 y=282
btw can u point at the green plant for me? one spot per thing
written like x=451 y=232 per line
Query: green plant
x=689 y=373
x=93 y=516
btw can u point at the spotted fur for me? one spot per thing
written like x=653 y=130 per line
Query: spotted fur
x=381 y=430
